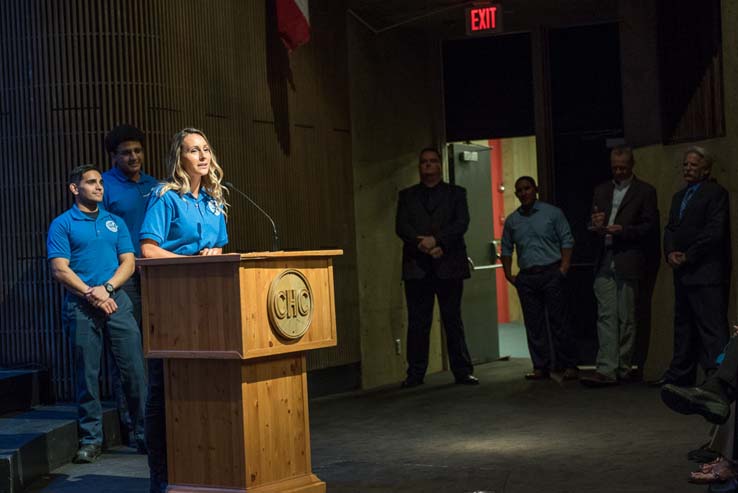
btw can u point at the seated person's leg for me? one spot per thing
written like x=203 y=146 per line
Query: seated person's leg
x=712 y=399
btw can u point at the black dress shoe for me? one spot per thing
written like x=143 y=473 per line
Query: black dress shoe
x=87 y=454
x=537 y=375
x=633 y=376
x=694 y=400
x=597 y=380
x=411 y=382
x=141 y=446
x=664 y=380
x=467 y=380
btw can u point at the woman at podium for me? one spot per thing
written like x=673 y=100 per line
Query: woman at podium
x=185 y=216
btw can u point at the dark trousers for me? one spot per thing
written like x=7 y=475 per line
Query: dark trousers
x=420 y=295
x=132 y=288
x=700 y=330
x=156 y=431
x=88 y=326
x=543 y=299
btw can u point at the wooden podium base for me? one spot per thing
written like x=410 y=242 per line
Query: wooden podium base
x=305 y=484
x=239 y=426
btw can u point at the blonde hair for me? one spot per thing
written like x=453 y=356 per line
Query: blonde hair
x=179 y=180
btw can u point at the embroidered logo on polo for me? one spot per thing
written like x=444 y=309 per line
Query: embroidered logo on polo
x=213 y=207
x=110 y=224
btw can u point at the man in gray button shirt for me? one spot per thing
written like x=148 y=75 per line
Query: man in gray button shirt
x=624 y=218
x=542 y=237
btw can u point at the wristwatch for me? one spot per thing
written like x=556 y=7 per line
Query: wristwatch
x=109 y=288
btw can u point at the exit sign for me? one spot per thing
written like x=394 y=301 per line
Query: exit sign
x=483 y=19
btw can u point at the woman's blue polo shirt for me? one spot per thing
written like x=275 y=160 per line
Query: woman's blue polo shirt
x=92 y=246
x=184 y=224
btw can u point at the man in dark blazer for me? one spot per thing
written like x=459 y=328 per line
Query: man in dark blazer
x=624 y=217
x=432 y=218
x=697 y=248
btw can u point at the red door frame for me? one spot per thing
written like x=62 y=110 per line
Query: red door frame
x=498 y=211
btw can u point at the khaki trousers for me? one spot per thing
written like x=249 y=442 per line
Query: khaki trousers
x=616 y=326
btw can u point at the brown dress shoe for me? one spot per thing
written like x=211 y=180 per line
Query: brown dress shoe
x=633 y=376
x=597 y=379
x=537 y=374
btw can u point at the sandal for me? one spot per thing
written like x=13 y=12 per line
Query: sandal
x=718 y=473
x=707 y=466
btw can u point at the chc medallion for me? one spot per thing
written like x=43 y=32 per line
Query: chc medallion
x=290 y=304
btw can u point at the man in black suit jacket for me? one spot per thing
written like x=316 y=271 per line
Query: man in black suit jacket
x=432 y=218
x=624 y=217
x=697 y=248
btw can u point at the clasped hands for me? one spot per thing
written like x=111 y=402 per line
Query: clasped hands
x=99 y=297
x=675 y=259
x=427 y=244
x=598 y=224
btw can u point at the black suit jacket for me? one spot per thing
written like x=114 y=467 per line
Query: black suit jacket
x=637 y=247
x=702 y=233
x=446 y=218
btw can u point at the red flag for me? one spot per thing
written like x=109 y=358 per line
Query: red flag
x=293 y=22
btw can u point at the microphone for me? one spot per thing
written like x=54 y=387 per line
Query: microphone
x=275 y=236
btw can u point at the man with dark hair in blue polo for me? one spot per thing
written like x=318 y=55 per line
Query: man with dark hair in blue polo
x=127 y=191
x=542 y=237
x=91 y=255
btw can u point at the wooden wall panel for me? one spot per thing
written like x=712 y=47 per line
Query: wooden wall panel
x=691 y=71
x=279 y=124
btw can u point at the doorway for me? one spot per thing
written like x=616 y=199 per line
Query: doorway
x=488 y=96
x=488 y=85
x=506 y=159
x=587 y=119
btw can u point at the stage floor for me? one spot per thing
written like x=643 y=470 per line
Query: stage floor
x=505 y=436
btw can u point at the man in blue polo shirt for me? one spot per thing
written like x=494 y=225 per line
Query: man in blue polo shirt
x=542 y=237
x=127 y=190
x=91 y=255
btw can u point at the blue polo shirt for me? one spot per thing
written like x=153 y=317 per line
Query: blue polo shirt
x=127 y=198
x=92 y=246
x=184 y=224
x=538 y=237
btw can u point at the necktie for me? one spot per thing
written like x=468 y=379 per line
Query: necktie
x=686 y=199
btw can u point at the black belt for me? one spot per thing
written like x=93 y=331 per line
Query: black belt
x=537 y=269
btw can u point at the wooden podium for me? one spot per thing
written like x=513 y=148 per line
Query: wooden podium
x=233 y=330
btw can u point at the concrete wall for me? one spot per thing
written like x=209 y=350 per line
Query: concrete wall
x=661 y=166
x=395 y=112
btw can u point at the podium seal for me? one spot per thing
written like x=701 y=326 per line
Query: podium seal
x=290 y=304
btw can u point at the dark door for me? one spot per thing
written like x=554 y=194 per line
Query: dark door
x=586 y=106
